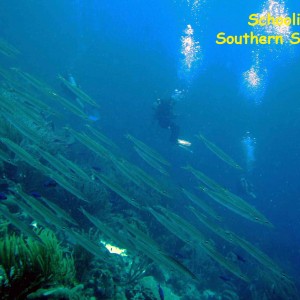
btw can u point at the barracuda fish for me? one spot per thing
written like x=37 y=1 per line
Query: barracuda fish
x=7 y=49
x=28 y=113
x=91 y=144
x=176 y=265
x=173 y=228
x=204 y=179
x=222 y=199
x=57 y=164
x=16 y=87
x=66 y=185
x=6 y=74
x=59 y=211
x=5 y=108
x=103 y=152
x=95 y=249
x=7 y=104
x=34 y=101
x=228 y=199
x=49 y=92
x=150 y=181
x=125 y=168
x=202 y=204
x=146 y=149
x=219 y=152
x=34 y=82
x=24 y=155
x=237 y=205
x=78 y=92
x=118 y=190
x=23 y=227
x=75 y=168
x=5 y=157
x=225 y=234
x=47 y=214
x=140 y=235
x=150 y=161
x=162 y=258
x=128 y=171
x=21 y=112
x=25 y=129
x=260 y=256
x=149 y=247
x=134 y=171
x=224 y=262
x=69 y=105
x=255 y=214
x=179 y=225
x=30 y=212
x=106 y=230
x=101 y=137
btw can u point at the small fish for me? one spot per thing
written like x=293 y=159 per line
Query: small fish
x=94 y=117
x=240 y=258
x=2 y=196
x=224 y=278
x=36 y=195
x=178 y=255
x=50 y=183
x=161 y=293
x=97 y=168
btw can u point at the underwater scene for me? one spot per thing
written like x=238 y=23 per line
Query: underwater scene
x=149 y=150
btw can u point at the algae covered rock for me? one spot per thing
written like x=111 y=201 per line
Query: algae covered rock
x=150 y=285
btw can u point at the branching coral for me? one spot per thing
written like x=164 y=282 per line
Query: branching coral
x=28 y=265
x=137 y=270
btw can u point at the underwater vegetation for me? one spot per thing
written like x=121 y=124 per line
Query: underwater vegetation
x=81 y=220
x=28 y=264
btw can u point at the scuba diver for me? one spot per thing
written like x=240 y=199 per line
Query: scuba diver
x=245 y=187
x=163 y=113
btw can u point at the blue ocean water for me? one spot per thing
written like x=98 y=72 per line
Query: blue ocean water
x=126 y=54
